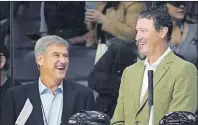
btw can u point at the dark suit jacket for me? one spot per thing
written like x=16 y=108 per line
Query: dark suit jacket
x=75 y=98
x=6 y=86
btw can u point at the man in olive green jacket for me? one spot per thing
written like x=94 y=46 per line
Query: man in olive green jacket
x=175 y=80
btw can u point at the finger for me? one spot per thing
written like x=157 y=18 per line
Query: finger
x=89 y=13
x=91 y=10
x=89 y=20
x=89 y=17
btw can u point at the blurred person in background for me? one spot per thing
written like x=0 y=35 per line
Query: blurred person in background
x=113 y=19
x=5 y=80
x=184 y=39
x=106 y=76
x=65 y=19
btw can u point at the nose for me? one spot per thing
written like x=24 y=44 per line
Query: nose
x=63 y=59
x=138 y=37
x=181 y=6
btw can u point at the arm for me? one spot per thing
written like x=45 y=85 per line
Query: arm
x=91 y=104
x=119 y=111
x=184 y=96
x=127 y=30
x=101 y=79
x=7 y=112
x=81 y=39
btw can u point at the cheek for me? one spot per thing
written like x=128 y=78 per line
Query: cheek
x=50 y=63
x=172 y=11
x=147 y=37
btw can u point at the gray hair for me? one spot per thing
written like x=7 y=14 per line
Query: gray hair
x=43 y=43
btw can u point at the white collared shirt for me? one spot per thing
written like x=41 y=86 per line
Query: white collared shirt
x=52 y=104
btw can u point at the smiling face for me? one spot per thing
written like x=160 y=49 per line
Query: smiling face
x=177 y=10
x=54 y=62
x=147 y=37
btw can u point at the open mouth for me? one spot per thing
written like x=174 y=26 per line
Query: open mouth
x=142 y=43
x=181 y=11
x=61 y=68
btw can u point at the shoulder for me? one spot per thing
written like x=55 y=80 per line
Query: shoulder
x=193 y=27
x=9 y=82
x=134 y=68
x=184 y=66
x=77 y=87
x=136 y=65
x=21 y=89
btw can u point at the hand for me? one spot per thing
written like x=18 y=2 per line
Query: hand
x=93 y=15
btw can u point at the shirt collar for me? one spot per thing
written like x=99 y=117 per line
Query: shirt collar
x=43 y=89
x=154 y=65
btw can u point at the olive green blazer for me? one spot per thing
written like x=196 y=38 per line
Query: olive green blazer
x=175 y=89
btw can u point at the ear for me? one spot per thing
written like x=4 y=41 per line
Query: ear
x=2 y=61
x=163 y=32
x=39 y=59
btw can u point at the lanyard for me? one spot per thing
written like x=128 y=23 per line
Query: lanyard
x=45 y=118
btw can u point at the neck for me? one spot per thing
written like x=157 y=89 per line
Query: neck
x=157 y=53
x=50 y=83
x=3 y=77
x=176 y=23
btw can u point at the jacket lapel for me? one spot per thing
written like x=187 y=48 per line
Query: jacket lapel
x=138 y=84
x=158 y=75
x=36 y=117
x=69 y=95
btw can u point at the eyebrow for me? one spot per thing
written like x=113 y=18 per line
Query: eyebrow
x=143 y=29
x=54 y=53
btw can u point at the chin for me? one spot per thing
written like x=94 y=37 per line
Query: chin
x=180 y=17
x=60 y=77
x=143 y=52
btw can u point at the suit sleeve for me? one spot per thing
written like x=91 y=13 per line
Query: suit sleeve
x=91 y=104
x=127 y=29
x=119 y=115
x=185 y=91
x=101 y=78
x=7 y=112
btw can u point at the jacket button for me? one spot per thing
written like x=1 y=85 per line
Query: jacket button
x=137 y=122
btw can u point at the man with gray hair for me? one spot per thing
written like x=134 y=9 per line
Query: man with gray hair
x=53 y=99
